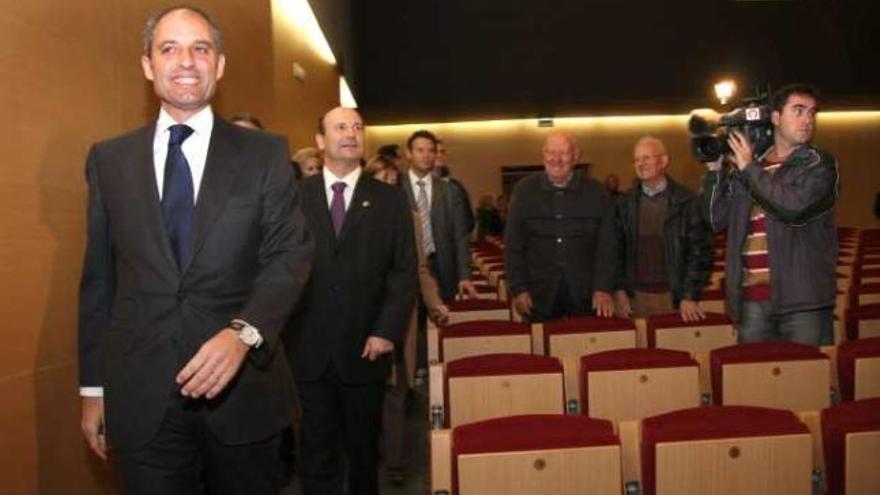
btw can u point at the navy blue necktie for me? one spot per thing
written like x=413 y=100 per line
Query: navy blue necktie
x=178 y=205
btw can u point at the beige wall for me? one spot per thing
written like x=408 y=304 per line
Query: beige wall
x=71 y=75
x=477 y=151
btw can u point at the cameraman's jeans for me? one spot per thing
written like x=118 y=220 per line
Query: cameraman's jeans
x=814 y=327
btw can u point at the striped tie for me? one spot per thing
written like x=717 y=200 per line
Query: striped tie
x=425 y=216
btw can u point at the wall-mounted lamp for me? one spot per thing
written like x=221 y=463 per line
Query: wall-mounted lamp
x=724 y=90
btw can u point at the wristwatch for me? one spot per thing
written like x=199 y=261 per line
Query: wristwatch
x=247 y=334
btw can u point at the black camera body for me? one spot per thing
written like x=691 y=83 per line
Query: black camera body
x=710 y=129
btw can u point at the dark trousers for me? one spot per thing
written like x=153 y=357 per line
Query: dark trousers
x=330 y=409
x=563 y=305
x=185 y=458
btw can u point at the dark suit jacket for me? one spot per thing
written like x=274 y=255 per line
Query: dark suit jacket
x=451 y=234
x=142 y=318
x=363 y=283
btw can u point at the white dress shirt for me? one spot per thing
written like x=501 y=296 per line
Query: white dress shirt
x=195 y=149
x=428 y=179
x=350 y=183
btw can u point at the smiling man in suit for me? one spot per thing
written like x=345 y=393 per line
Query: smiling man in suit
x=196 y=253
x=354 y=311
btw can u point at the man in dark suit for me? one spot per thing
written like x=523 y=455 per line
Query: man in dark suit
x=196 y=253
x=443 y=214
x=355 y=309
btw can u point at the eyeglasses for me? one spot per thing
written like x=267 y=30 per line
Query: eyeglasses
x=645 y=158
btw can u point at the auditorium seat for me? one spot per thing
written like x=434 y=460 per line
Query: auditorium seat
x=628 y=384
x=783 y=375
x=863 y=322
x=486 y=291
x=477 y=309
x=495 y=385
x=726 y=450
x=858 y=369
x=527 y=455
x=866 y=276
x=864 y=294
x=473 y=338
x=696 y=337
x=713 y=301
x=851 y=443
x=571 y=338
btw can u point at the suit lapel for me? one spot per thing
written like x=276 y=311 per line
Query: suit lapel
x=437 y=201
x=222 y=166
x=145 y=173
x=315 y=194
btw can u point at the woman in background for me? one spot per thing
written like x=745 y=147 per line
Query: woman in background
x=394 y=409
x=309 y=161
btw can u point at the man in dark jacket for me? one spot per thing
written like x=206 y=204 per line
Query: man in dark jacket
x=660 y=247
x=551 y=236
x=778 y=210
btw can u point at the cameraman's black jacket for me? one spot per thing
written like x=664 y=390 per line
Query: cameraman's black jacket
x=798 y=201
x=686 y=236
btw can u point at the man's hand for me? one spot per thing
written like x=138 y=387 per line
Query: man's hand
x=603 y=304
x=374 y=347
x=522 y=303
x=466 y=289
x=742 y=149
x=93 y=425
x=690 y=310
x=622 y=303
x=214 y=366
x=439 y=314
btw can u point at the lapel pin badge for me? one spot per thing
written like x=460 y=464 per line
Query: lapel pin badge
x=365 y=204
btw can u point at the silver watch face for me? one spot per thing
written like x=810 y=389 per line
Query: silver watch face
x=249 y=336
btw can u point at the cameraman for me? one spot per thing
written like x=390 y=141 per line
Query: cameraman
x=781 y=233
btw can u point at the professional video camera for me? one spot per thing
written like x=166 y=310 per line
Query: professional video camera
x=710 y=129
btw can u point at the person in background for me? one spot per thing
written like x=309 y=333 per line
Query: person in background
x=310 y=160
x=612 y=185
x=488 y=218
x=355 y=310
x=660 y=247
x=248 y=121
x=384 y=169
x=778 y=211
x=443 y=172
x=551 y=249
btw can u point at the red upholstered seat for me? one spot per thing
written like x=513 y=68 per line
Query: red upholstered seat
x=857 y=314
x=528 y=432
x=629 y=359
x=482 y=289
x=757 y=352
x=713 y=294
x=585 y=324
x=502 y=364
x=486 y=247
x=847 y=353
x=708 y=423
x=674 y=320
x=482 y=328
x=866 y=273
x=837 y=422
x=476 y=305
x=858 y=290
